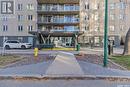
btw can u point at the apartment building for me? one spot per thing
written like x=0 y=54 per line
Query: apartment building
x=66 y=16
x=60 y=16
x=92 y=21
x=16 y=25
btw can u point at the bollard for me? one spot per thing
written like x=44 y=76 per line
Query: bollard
x=78 y=47
x=36 y=52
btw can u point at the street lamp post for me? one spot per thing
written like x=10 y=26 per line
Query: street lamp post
x=106 y=34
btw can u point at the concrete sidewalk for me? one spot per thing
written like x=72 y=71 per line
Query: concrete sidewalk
x=27 y=70
x=99 y=51
x=99 y=70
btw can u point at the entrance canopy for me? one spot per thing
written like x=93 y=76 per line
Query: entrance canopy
x=57 y=33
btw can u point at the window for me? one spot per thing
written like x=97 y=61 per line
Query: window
x=122 y=5
x=72 y=7
x=20 y=39
x=93 y=16
x=30 y=28
x=69 y=28
x=54 y=7
x=96 y=40
x=86 y=28
x=95 y=6
x=96 y=28
x=86 y=17
x=112 y=28
x=122 y=16
x=67 y=8
x=88 y=6
x=76 y=7
x=112 y=16
x=61 y=7
x=20 y=28
x=112 y=6
x=68 y=18
x=20 y=17
x=96 y=17
x=122 y=27
x=4 y=18
x=5 y=38
x=30 y=7
x=85 y=7
x=30 y=17
x=5 y=28
x=20 y=7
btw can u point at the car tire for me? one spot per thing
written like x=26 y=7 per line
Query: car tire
x=23 y=47
x=7 y=47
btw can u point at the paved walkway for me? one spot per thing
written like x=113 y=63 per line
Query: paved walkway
x=65 y=64
x=99 y=51
x=27 y=70
x=93 y=69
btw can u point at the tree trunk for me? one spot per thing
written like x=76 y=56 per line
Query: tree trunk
x=127 y=44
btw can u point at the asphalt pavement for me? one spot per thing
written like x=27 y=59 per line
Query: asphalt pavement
x=62 y=83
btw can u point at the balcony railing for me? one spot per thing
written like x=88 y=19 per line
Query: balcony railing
x=62 y=30
x=40 y=20
x=58 y=8
x=65 y=30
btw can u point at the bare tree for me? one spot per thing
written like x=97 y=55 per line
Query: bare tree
x=127 y=44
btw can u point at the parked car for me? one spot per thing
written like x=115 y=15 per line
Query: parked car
x=16 y=44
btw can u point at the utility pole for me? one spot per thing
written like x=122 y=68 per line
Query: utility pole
x=106 y=34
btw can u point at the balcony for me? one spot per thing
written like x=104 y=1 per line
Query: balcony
x=61 y=30
x=57 y=12
x=58 y=22
x=59 y=1
x=58 y=9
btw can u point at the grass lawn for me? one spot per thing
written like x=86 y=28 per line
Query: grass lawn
x=121 y=60
x=9 y=59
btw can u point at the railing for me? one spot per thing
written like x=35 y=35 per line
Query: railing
x=75 y=8
x=60 y=30
x=58 y=21
x=64 y=30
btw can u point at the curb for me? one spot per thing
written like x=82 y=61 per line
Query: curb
x=67 y=77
